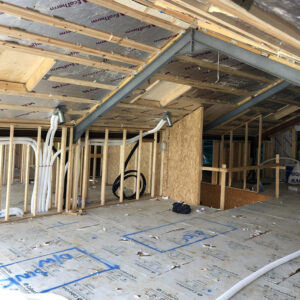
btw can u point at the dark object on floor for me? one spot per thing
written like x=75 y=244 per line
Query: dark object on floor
x=181 y=208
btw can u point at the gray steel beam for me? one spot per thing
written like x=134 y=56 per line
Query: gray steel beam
x=255 y=60
x=192 y=42
x=123 y=92
x=254 y=101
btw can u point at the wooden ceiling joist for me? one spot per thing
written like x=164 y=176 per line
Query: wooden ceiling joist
x=37 y=109
x=18 y=89
x=200 y=100
x=140 y=15
x=37 y=38
x=202 y=85
x=206 y=21
x=64 y=57
x=36 y=16
x=82 y=82
x=243 y=14
x=222 y=68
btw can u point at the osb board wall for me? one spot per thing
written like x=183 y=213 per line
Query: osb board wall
x=113 y=163
x=181 y=174
x=268 y=154
x=210 y=196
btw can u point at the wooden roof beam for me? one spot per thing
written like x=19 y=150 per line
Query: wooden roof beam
x=64 y=57
x=82 y=82
x=18 y=89
x=222 y=68
x=36 y=16
x=248 y=17
x=229 y=28
x=37 y=109
x=202 y=85
x=137 y=14
x=37 y=38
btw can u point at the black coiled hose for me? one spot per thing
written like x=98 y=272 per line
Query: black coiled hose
x=129 y=174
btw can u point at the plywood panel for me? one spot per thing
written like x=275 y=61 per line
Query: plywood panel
x=210 y=196
x=18 y=67
x=113 y=162
x=183 y=157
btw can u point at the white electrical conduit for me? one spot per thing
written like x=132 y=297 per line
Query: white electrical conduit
x=96 y=142
x=281 y=158
x=46 y=161
x=100 y=142
x=246 y=281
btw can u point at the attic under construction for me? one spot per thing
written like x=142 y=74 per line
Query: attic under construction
x=149 y=149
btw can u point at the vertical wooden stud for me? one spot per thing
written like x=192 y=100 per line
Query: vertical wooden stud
x=149 y=179
x=122 y=167
x=70 y=170
x=62 y=170
x=215 y=161
x=259 y=153
x=76 y=176
x=86 y=171
x=104 y=167
x=94 y=164
x=277 y=177
x=9 y=171
x=138 y=175
x=26 y=179
x=223 y=187
x=153 y=179
x=240 y=155
x=221 y=155
x=81 y=171
x=245 y=157
x=37 y=172
x=135 y=168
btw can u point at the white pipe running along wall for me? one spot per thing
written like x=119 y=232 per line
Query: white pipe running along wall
x=47 y=158
x=100 y=142
x=246 y=281
x=44 y=162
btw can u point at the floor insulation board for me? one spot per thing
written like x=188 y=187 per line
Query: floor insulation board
x=143 y=250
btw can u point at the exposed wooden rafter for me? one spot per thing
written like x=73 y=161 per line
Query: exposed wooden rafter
x=64 y=57
x=230 y=29
x=202 y=85
x=37 y=38
x=239 y=12
x=222 y=68
x=82 y=82
x=36 y=16
x=140 y=15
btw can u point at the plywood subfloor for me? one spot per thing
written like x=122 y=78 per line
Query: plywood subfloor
x=142 y=250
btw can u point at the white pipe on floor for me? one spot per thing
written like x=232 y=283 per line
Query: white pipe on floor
x=246 y=281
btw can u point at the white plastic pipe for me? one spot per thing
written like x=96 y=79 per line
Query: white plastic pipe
x=281 y=158
x=47 y=159
x=246 y=281
x=100 y=142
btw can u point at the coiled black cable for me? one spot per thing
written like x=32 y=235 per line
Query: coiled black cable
x=129 y=174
